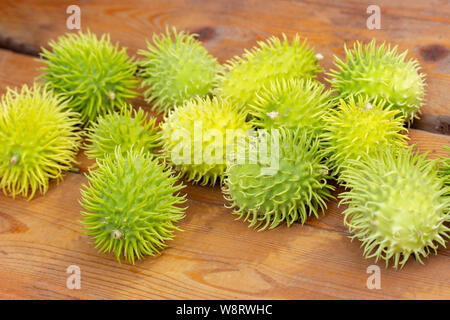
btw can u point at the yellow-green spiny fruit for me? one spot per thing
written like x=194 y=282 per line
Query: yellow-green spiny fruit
x=380 y=73
x=176 y=68
x=275 y=59
x=196 y=136
x=39 y=140
x=95 y=76
x=292 y=103
x=127 y=128
x=287 y=184
x=131 y=204
x=358 y=127
x=397 y=205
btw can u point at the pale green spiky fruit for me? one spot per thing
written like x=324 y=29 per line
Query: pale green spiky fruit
x=196 y=136
x=285 y=188
x=131 y=204
x=127 y=128
x=176 y=68
x=396 y=205
x=39 y=140
x=292 y=103
x=94 y=75
x=274 y=59
x=380 y=72
x=359 y=127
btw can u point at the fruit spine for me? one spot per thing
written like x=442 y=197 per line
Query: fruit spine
x=445 y=168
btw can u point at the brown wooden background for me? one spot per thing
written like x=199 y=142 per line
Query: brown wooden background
x=216 y=257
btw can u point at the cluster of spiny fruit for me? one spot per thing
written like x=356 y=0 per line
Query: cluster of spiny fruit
x=397 y=200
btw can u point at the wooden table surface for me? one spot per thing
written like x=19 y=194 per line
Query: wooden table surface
x=216 y=257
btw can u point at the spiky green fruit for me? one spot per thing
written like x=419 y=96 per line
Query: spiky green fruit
x=131 y=203
x=196 y=136
x=95 y=76
x=127 y=128
x=360 y=127
x=396 y=205
x=292 y=103
x=275 y=59
x=39 y=140
x=296 y=189
x=176 y=68
x=380 y=72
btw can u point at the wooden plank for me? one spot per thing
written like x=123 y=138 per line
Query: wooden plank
x=429 y=142
x=226 y=28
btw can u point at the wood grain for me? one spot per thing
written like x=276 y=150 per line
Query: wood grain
x=228 y=27
x=215 y=257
